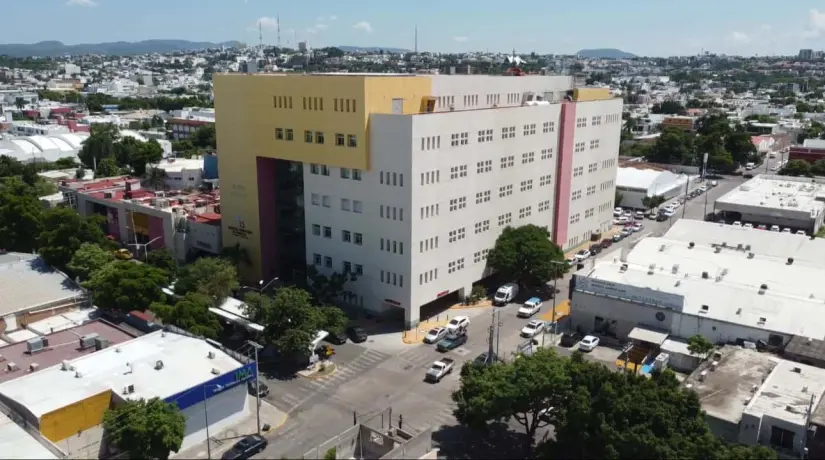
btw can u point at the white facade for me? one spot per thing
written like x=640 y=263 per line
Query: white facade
x=443 y=185
x=636 y=184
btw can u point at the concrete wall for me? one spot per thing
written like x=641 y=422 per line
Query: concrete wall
x=223 y=410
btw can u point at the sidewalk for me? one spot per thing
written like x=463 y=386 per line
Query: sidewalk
x=223 y=440
x=417 y=333
x=605 y=235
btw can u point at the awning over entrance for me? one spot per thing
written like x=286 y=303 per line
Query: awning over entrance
x=648 y=335
x=232 y=311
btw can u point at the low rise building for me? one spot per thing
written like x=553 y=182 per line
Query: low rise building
x=182 y=173
x=811 y=150
x=684 y=123
x=185 y=122
x=637 y=181
x=797 y=203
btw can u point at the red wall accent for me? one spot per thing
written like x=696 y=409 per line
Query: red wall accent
x=114 y=223
x=564 y=174
x=806 y=154
x=155 y=231
x=268 y=216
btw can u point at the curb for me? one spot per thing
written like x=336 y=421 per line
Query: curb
x=272 y=429
x=484 y=304
x=315 y=376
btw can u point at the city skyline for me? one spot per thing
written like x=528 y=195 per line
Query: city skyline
x=642 y=27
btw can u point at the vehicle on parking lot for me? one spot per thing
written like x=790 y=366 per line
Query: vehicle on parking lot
x=621 y=220
x=595 y=249
x=628 y=213
x=668 y=213
x=786 y=230
x=435 y=334
x=439 y=370
x=530 y=308
x=606 y=243
x=801 y=232
x=747 y=225
x=618 y=212
x=638 y=227
x=357 y=334
x=589 y=343
x=487 y=358
x=583 y=254
x=627 y=231
x=263 y=390
x=246 y=448
x=458 y=323
x=762 y=227
x=617 y=237
x=505 y=294
x=451 y=342
x=713 y=183
x=533 y=328
x=568 y=339
x=639 y=215
x=337 y=338
x=774 y=228
x=737 y=224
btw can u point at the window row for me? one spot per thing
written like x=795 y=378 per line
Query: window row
x=525 y=212
x=397 y=178
x=351 y=205
x=482 y=226
x=282 y=102
x=428 y=244
x=393 y=246
x=347 y=173
x=391 y=212
x=346 y=235
x=485 y=135
x=606 y=206
x=343 y=105
x=589 y=213
x=548 y=127
x=458 y=171
x=576 y=195
x=429 y=211
x=455 y=265
x=430 y=177
x=594 y=144
x=346 y=267
x=392 y=278
x=592 y=167
x=607 y=185
x=457 y=139
x=529 y=129
x=324 y=170
x=427 y=276
x=431 y=143
x=458 y=203
x=480 y=256
x=457 y=234
x=591 y=190
x=484 y=166
x=609 y=163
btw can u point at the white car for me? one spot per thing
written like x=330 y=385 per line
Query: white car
x=801 y=232
x=669 y=212
x=748 y=225
x=530 y=308
x=637 y=227
x=786 y=230
x=533 y=328
x=737 y=224
x=621 y=220
x=617 y=212
x=435 y=334
x=457 y=323
x=639 y=215
x=628 y=214
x=582 y=255
x=589 y=343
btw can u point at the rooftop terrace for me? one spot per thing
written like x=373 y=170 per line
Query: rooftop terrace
x=778 y=193
x=26 y=282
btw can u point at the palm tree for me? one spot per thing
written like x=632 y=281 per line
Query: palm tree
x=155 y=178
x=20 y=103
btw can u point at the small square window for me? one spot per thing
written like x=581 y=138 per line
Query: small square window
x=290 y=135
x=347 y=267
x=308 y=137
x=324 y=170
x=319 y=137
x=328 y=262
x=356 y=174
x=345 y=204
x=327 y=232
x=359 y=269
x=351 y=142
x=346 y=236
x=339 y=140
x=314 y=169
x=316 y=199
x=344 y=173
x=359 y=239
x=279 y=133
x=316 y=259
x=357 y=207
x=316 y=229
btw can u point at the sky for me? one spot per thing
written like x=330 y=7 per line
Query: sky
x=642 y=27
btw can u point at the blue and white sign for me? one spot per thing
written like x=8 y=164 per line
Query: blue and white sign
x=642 y=295
x=219 y=384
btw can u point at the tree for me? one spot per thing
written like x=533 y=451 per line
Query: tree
x=523 y=390
x=818 y=168
x=155 y=178
x=205 y=138
x=327 y=289
x=99 y=145
x=145 y=429
x=126 y=286
x=673 y=146
x=526 y=254
x=668 y=107
x=236 y=254
x=64 y=231
x=145 y=153
x=163 y=260
x=107 y=168
x=700 y=346
x=88 y=259
x=21 y=216
x=618 y=198
x=740 y=147
x=651 y=202
x=19 y=102
x=796 y=168
x=212 y=277
x=190 y=313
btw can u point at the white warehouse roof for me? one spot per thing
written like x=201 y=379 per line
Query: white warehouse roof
x=50 y=147
x=652 y=180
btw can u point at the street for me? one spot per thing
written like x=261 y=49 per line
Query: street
x=378 y=374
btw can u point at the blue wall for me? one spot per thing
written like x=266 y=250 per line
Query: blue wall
x=210 y=166
x=219 y=384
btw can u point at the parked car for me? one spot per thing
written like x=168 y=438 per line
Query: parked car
x=530 y=308
x=661 y=217
x=787 y=230
x=618 y=212
x=617 y=237
x=435 y=334
x=568 y=339
x=458 y=323
x=263 y=390
x=627 y=231
x=638 y=227
x=246 y=448
x=621 y=220
x=595 y=249
x=357 y=334
x=737 y=224
x=584 y=254
x=485 y=358
x=505 y=294
x=533 y=328
x=639 y=215
x=606 y=243
x=336 y=338
x=451 y=342
x=589 y=343
x=801 y=232
x=748 y=225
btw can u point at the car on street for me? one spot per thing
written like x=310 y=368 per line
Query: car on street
x=439 y=370
x=621 y=220
x=713 y=183
x=617 y=237
x=568 y=339
x=595 y=249
x=589 y=343
x=485 y=358
x=336 y=338
x=246 y=448
x=533 y=328
x=638 y=227
x=606 y=243
x=627 y=231
x=435 y=334
x=530 y=308
x=458 y=323
x=661 y=217
x=357 y=334
x=263 y=390
x=668 y=213
x=583 y=254
x=451 y=342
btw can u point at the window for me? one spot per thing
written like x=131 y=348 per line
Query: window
x=327 y=232
x=596 y=120
x=548 y=127
x=316 y=199
x=544 y=180
x=484 y=166
x=325 y=201
x=314 y=169
x=357 y=206
x=527 y=157
x=458 y=203
x=289 y=134
x=594 y=144
x=574 y=218
x=359 y=269
x=359 y=239
x=482 y=197
x=345 y=204
x=455 y=265
x=458 y=171
x=324 y=170
x=546 y=154
x=507 y=162
x=356 y=174
x=579 y=147
x=308 y=136
x=526 y=185
x=592 y=167
x=319 y=137
x=344 y=173
x=591 y=190
x=347 y=267
x=457 y=234
x=578 y=171
x=339 y=140
x=279 y=133
x=351 y=142
x=576 y=195
x=505 y=219
x=346 y=236
x=316 y=229
x=316 y=259
x=328 y=262
x=544 y=205
x=581 y=122
x=525 y=212
x=589 y=213
x=508 y=132
x=482 y=226
x=530 y=129
x=480 y=256
x=505 y=190
x=485 y=135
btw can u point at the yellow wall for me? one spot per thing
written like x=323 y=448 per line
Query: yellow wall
x=72 y=419
x=246 y=119
x=141 y=222
x=591 y=94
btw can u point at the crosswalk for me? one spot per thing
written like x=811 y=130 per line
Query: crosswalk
x=443 y=416
x=422 y=356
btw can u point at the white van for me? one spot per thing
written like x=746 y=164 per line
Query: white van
x=505 y=294
x=750 y=166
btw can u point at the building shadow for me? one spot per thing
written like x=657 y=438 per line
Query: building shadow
x=460 y=442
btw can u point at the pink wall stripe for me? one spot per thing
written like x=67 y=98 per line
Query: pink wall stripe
x=268 y=215
x=155 y=231
x=564 y=175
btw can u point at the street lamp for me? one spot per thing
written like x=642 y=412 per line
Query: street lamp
x=553 y=322
x=263 y=286
x=206 y=417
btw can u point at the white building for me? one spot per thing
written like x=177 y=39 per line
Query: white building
x=182 y=173
x=38 y=148
x=448 y=182
x=635 y=184
x=789 y=202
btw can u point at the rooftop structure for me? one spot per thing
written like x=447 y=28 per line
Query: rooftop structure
x=59 y=346
x=159 y=364
x=50 y=147
x=636 y=183
x=15 y=442
x=795 y=202
x=20 y=273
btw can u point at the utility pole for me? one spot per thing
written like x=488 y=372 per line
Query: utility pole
x=498 y=335
x=491 y=338
x=206 y=420
x=256 y=346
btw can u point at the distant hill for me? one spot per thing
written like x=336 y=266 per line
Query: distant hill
x=56 y=48
x=605 y=53
x=370 y=49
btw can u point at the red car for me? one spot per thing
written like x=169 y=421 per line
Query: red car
x=606 y=243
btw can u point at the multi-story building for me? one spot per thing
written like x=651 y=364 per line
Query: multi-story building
x=184 y=123
x=406 y=181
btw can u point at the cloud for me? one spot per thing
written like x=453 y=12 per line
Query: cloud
x=321 y=26
x=363 y=26
x=333 y=18
x=739 y=37
x=311 y=30
x=264 y=22
x=81 y=3
x=816 y=23
x=460 y=39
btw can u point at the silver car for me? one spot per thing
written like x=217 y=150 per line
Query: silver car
x=435 y=334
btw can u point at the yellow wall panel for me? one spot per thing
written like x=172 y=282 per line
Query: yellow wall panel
x=591 y=94
x=72 y=419
x=141 y=222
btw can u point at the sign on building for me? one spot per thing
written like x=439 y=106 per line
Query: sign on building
x=636 y=294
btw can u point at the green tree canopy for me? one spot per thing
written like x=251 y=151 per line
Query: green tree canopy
x=64 y=231
x=327 y=289
x=212 y=277
x=526 y=254
x=126 y=286
x=88 y=259
x=674 y=146
x=145 y=429
x=699 y=345
x=190 y=313
x=818 y=168
x=796 y=168
x=21 y=215
x=740 y=147
x=107 y=168
x=669 y=108
x=164 y=260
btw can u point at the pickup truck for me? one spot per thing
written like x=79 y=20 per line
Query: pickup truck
x=439 y=369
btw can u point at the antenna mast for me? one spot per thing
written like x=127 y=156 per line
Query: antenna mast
x=260 y=37
x=416 y=39
x=278 y=29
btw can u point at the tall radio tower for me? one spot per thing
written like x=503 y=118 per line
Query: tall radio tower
x=278 y=30
x=416 y=39
x=260 y=37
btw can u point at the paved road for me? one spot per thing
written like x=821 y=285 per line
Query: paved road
x=370 y=379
